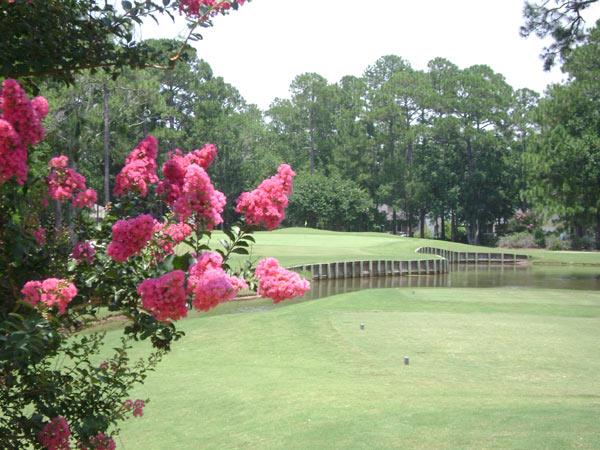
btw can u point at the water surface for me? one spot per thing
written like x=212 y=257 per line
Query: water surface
x=460 y=276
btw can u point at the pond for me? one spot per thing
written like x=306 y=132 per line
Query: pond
x=460 y=276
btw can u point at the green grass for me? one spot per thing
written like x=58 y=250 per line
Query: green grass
x=304 y=245
x=490 y=368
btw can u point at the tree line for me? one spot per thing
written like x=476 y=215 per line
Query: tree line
x=382 y=151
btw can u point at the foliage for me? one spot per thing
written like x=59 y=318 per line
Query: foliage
x=522 y=239
x=329 y=202
x=568 y=144
x=556 y=243
x=58 y=39
x=558 y=19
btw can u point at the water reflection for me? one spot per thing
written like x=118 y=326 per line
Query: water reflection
x=461 y=275
x=465 y=275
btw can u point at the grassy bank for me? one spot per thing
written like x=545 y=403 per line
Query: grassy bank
x=490 y=368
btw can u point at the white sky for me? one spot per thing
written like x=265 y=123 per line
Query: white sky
x=260 y=48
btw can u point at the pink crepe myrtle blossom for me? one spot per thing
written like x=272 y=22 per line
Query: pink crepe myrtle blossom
x=139 y=171
x=265 y=205
x=59 y=162
x=65 y=183
x=278 y=283
x=85 y=199
x=168 y=236
x=199 y=198
x=209 y=284
x=204 y=9
x=165 y=297
x=100 y=441
x=55 y=435
x=187 y=188
x=136 y=406
x=20 y=126
x=13 y=155
x=24 y=115
x=83 y=251
x=51 y=291
x=40 y=236
x=130 y=236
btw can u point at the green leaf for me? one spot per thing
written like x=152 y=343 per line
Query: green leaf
x=182 y=262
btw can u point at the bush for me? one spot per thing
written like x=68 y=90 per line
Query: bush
x=583 y=243
x=555 y=243
x=330 y=202
x=517 y=240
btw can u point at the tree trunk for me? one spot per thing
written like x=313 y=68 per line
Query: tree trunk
x=597 y=228
x=409 y=153
x=106 y=147
x=453 y=230
x=443 y=226
x=422 y=224
x=394 y=221
x=473 y=232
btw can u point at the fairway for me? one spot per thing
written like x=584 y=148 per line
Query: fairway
x=306 y=245
x=489 y=368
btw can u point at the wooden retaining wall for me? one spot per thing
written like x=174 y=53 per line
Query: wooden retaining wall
x=474 y=257
x=380 y=268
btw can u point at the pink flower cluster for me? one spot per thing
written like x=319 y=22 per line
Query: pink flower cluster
x=140 y=168
x=203 y=9
x=130 y=236
x=65 y=183
x=51 y=291
x=278 y=283
x=165 y=297
x=266 y=204
x=83 y=251
x=55 y=434
x=20 y=126
x=168 y=236
x=199 y=198
x=40 y=236
x=175 y=166
x=136 y=406
x=188 y=188
x=100 y=442
x=209 y=284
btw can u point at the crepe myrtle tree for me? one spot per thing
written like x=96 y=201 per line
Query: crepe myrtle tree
x=60 y=388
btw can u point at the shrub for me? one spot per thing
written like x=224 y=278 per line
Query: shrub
x=555 y=243
x=517 y=240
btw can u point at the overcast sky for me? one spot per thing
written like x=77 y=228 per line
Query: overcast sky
x=263 y=46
